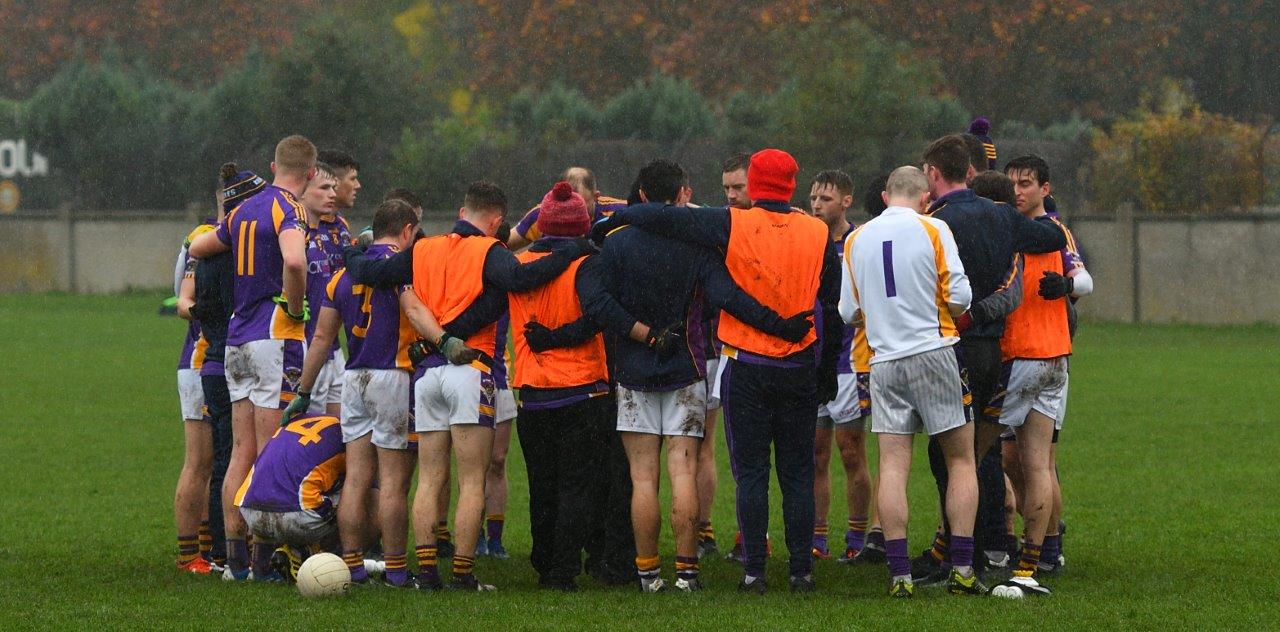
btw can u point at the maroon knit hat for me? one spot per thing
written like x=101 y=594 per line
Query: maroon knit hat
x=563 y=213
x=771 y=175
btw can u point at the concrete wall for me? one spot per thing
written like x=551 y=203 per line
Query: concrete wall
x=1197 y=270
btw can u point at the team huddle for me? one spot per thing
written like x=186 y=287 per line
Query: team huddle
x=609 y=333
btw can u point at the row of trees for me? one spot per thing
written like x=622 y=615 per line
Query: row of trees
x=433 y=94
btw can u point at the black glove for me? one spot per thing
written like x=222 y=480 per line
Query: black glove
x=1055 y=286
x=828 y=385
x=794 y=329
x=503 y=233
x=585 y=247
x=666 y=341
x=349 y=253
x=602 y=228
x=540 y=338
x=418 y=351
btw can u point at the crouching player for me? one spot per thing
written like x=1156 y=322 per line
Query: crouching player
x=375 y=407
x=290 y=492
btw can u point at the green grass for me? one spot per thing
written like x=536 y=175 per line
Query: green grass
x=1168 y=463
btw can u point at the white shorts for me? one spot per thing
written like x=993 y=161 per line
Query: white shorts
x=297 y=528
x=190 y=394
x=715 y=384
x=453 y=395
x=328 y=386
x=713 y=389
x=1027 y=385
x=919 y=392
x=678 y=413
x=504 y=405
x=852 y=404
x=376 y=401
x=263 y=370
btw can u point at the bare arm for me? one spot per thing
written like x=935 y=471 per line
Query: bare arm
x=423 y=321
x=318 y=352
x=209 y=244
x=187 y=297
x=293 y=249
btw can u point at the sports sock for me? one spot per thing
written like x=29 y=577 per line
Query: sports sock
x=1029 y=561
x=706 y=532
x=262 y=558
x=206 y=538
x=237 y=554
x=686 y=568
x=820 y=532
x=1051 y=549
x=188 y=548
x=648 y=567
x=939 y=548
x=397 y=568
x=442 y=532
x=895 y=552
x=428 y=571
x=463 y=566
x=355 y=563
x=962 y=554
x=875 y=538
x=493 y=527
x=856 y=537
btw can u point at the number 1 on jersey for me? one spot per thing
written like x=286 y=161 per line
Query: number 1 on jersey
x=890 y=287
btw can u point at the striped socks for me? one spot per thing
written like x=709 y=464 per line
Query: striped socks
x=428 y=571
x=206 y=538
x=354 y=560
x=1029 y=561
x=397 y=572
x=856 y=537
x=939 y=549
x=686 y=568
x=188 y=548
x=820 y=532
x=463 y=567
x=706 y=532
x=648 y=567
x=442 y=532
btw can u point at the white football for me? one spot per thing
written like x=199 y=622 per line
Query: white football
x=323 y=575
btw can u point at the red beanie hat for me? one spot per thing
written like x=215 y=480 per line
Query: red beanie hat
x=771 y=175
x=563 y=213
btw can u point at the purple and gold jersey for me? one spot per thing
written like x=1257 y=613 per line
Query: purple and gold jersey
x=319 y=272
x=605 y=207
x=299 y=469
x=252 y=232
x=193 y=346
x=334 y=235
x=378 y=333
x=844 y=362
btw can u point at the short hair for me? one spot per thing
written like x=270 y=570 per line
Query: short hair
x=580 y=177
x=736 y=162
x=391 y=217
x=325 y=168
x=950 y=156
x=837 y=178
x=402 y=193
x=295 y=154
x=661 y=180
x=873 y=202
x=485 y=196
x=908 y=182
x=341 y=161
x=994 y=186
x=977 y=153
x=633 y=196
x=1032 y=163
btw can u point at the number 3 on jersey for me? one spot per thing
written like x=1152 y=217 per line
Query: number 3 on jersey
x=366 y=308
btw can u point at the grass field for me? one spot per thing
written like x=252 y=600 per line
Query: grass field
x=1169 y=465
